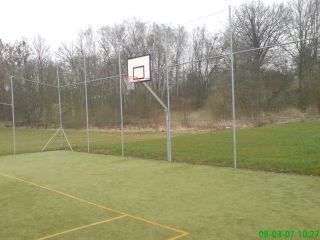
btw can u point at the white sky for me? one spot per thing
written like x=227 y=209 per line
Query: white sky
x=60 y=20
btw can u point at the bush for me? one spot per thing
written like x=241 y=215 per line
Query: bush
x=260 y=123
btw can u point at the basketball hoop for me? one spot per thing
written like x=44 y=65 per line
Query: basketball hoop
x=130 y=81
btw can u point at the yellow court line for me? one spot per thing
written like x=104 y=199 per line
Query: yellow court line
x=97 y=205
x=74 y=229
x=180 y=236
x=160 y=225
x=64 y=194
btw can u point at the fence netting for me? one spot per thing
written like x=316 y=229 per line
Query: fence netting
x=276 y=90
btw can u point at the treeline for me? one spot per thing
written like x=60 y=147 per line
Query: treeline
x=266 y=80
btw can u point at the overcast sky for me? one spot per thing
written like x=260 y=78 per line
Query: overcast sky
x=60 y=20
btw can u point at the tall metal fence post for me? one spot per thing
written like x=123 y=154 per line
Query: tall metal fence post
x=60 y=106
x=168 y=104
x=121 y=110
x=13 y=119
x=85 y=82
x=232 y=80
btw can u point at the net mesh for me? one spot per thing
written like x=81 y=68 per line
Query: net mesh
x=130 y=81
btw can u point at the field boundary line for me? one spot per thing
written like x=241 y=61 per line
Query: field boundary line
x=97 y=205
x=65 y=194
x=74 y=229
x=180 y=236
x=160 y=225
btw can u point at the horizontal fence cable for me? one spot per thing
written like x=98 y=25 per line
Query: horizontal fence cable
x=184 y=63
x=89 y=81
x=6 y=104
x=28 y=80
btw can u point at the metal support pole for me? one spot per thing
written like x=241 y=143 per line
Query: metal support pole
x=121 y=110
x=166 y=110
x=13 y=119
x=155 y=96
x=232 y=80
x=60 y=129
x=168 y=104
x=60 y=105
x=85 y=80
x=67 y=139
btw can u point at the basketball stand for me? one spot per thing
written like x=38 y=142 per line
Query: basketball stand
x=139 y=71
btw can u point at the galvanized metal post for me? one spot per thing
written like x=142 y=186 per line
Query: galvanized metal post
x=155 y=96
x=60 y=129
x=60 y=105
x=168 y=104
x=86 y=91
x=232 y=81
x=121 y=110
x=13 y=119
x=60 y=109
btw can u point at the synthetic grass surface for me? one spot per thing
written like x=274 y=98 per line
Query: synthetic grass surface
x=206 y=202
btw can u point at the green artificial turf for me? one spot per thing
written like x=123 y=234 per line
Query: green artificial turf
x=206 y=202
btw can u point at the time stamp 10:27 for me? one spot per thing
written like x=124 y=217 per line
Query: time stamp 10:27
x=288 y=234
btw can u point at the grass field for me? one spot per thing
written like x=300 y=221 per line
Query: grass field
x=94 y=196
x=290 y=148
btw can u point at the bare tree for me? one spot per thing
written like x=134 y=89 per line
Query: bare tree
x=204 y=45
x=255 y=26
x=303 y=23
x=42 y=58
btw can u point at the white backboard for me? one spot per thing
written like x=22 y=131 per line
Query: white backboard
x=140 y=67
